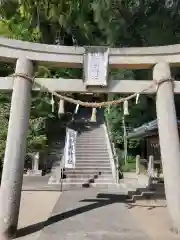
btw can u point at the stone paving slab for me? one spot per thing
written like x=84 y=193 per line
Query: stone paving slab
x=155 y=221
x=39 y=183
x=35 y=207
x=91 y=214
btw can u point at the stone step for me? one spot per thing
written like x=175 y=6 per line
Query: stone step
x=88 y=175
x=98 y=137
x=90 y=143
x=91 y=147
x=85 y=150
x=97 y=169
x=88 y=171
x=77 y=180
x=93 y=153
x=92 y=138
x=69 y=186
x=90 y=165
x=96 y=155
x=87 y=180
x=92 y=132
x=105 y=176
x=95 y=166
x=99 y=180
x=88 y=157
x=83 y=154
x=95 y=158
x=93 y=142
x=88 y=153
x=92 y=180
x=92 y=160
x=100 y=134
x=95 y=130
x=146 y=194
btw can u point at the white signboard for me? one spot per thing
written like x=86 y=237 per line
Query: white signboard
x=96 y=66
x=70 y=147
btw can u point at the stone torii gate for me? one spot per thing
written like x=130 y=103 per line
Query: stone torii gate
x=26 y=55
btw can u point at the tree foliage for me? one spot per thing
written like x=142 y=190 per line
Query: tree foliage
x=109 y=22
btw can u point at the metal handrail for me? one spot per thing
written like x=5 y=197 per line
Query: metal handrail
x=113 y=149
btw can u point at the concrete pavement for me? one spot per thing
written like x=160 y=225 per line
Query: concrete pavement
x=91 y=214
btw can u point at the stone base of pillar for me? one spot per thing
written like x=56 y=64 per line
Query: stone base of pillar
x=34 y=173
x=11 y=235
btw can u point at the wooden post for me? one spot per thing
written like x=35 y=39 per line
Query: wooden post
x=138 y=164
x=151 y=165
x=12 y=176
x=125 y=140
x=150 y=170
x=169 y=140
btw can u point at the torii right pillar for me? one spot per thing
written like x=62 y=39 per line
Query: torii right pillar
x=169 y=140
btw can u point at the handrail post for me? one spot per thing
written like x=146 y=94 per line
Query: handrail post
x=113 y=149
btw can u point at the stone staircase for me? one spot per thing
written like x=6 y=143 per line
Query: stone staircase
x=136 y=188
x=94 y=162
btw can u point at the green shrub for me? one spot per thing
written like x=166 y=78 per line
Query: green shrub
x=129 y=167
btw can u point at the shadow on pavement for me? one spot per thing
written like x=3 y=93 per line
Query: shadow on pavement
x=100 y=201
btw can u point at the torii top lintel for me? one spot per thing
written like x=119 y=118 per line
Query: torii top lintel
x=65 y=56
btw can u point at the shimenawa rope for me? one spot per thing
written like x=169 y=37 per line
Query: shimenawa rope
x=91 y=104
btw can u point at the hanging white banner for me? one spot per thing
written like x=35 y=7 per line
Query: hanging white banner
x=70 y=149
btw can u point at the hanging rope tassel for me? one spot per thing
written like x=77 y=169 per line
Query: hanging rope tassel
x=93 y=116
x=61 y=107
x=126 y=111
x=108 y=108
x=77 y=108
x=137 y=98
x=52 y=103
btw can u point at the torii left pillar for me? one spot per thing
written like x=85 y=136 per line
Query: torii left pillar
x=12 y=176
